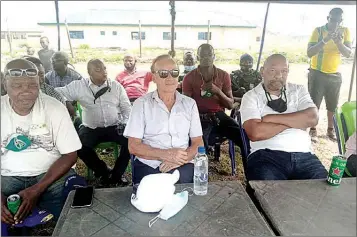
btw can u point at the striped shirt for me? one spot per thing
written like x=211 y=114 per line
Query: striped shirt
x=55 y=80
x=50 y=91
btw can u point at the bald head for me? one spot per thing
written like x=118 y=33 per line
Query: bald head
x=129 y=62
x=162 y=59
x=275 y=72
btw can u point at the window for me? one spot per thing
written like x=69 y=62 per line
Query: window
x=257 y=39
x=135 y=35
x=203 y=35
x=167 y=35
x=76 y=34
x=17 y=35
x=102 y=33
x=34 y=36
x=115 y=33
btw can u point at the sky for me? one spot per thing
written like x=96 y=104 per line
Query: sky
x=292 y=19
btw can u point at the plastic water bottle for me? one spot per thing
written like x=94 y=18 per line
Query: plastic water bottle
x=200 y=178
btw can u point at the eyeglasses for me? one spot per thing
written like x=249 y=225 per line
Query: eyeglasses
x=165 y=73
x=17 y=72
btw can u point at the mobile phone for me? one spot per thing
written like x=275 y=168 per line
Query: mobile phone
x=83 y=197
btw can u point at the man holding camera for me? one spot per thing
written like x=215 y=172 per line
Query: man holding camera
x=326 y=45
x=101 y=99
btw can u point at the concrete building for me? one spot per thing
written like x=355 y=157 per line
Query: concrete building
x=120 y=28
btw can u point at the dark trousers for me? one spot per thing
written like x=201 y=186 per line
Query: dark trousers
x=141 y=170
x=279 y=165
x=224 y=126
x=90 y=138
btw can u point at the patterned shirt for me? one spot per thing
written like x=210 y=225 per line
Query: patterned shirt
x=50 y=91
x=55 y=80
x=245 y=81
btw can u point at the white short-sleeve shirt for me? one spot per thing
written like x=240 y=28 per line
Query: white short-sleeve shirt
x=151 y=121
x=60 y=138
x=254 y=106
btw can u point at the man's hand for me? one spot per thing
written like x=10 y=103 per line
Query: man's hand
x=29 y=197
x=211 y=87
x=6 y=215
x=177 y=156
x=167 y=166
x=338 y=39
x=71 y=109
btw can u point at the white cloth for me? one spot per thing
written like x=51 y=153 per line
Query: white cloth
x=106 y=109
x=48 y=142
x=151 y=121
x=254 y=106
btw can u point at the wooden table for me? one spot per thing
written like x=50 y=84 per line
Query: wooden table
x=309 y=207
x=225 y=210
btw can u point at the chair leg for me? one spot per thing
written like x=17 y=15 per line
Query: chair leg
x=217 y=151
x=232 y=155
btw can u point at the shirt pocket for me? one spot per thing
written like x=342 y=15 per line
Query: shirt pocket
x=182 y=123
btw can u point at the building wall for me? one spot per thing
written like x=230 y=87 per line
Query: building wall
x=186 y=37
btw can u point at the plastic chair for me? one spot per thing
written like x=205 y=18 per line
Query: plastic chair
x=103 y=145
x=345 y=124
x=245 y=142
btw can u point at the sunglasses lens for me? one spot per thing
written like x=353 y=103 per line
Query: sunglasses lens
x=31 y=72
x=175 y=73
x=163 y=73
x=15 y=72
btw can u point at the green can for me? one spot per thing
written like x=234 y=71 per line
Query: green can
x=13 y=203
x=337 y=168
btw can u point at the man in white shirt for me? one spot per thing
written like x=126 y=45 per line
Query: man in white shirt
x=101 y=99
x=38 y=144
x=276 y=116
x=161 y=126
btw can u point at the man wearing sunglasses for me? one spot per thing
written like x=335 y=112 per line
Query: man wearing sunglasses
x=38 y=144
x=161 y=124
x=135 y=82
x=325 y=48
x=211 y=88
x=102 y=100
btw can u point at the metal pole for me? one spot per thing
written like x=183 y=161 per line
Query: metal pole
x=173 y=17
x=208 y=31
x=140 y=37
x=263 y=36
x=58 y=25
x=9 y=36
x=69 y=38
x=352 y=76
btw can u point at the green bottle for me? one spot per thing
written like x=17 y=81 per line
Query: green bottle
x=337 y=168
x=13 y=203
x=206 y=94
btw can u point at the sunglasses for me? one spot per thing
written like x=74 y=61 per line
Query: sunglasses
x=17 y=72
x=165 y=73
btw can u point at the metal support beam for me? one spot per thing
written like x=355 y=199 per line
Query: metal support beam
x=140 y=38
x=352 y=76
x=208 y=31
x=58 y=26
x=173 y=17
x=263 y=35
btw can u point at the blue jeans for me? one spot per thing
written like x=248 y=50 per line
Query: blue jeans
x=141 y=170
x=51 y=200
x=279 y=165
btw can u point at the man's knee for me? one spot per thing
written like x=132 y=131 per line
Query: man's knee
x=186 y=173
x=11 y=185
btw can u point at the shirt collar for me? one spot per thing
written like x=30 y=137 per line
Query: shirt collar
x=91 y=84
x=178 y=96
x=130 y=73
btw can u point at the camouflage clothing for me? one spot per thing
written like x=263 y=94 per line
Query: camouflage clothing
x=244 y=81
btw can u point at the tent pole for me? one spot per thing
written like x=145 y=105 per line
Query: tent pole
x=263 y=36
x=173 y=17
x=352 y=76
x=58 y=26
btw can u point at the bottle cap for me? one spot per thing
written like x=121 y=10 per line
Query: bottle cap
x=201 y=149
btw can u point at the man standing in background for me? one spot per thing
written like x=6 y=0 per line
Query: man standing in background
x=326 y=45
x=135 y=82
x=45 y=54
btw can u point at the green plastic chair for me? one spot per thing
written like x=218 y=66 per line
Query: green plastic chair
x=345 y=125
x=104 y=145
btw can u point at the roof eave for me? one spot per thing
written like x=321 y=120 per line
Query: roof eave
x=150 y=25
